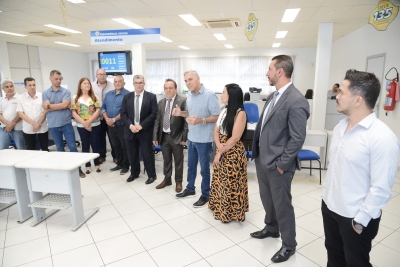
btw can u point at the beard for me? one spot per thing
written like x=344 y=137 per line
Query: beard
x=272 y=81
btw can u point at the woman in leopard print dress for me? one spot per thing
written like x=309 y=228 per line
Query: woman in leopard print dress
x=229 y=194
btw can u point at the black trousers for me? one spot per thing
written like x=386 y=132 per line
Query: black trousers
x=30 y=140
x=103 y=142
x=169 y=149
x=344 y=246
x=145 y=144
x=116 y=135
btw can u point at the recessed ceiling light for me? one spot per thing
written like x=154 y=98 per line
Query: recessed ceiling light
x=121 y=43
x=281 y=34
x=290 y=14
x=12 y=33
x=61 y=28
x=276 y=44
x=219 y=36
x=165 y=39
x=128 y=23
x=62 y=43
x=76 y=1
x=229 y=46
x=190 y=19
x=184 y=47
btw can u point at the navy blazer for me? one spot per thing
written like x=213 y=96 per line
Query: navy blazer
x=148 y=113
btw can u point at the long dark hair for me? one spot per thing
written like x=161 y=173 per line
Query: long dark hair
x=235 y=102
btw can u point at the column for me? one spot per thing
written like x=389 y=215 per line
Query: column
x=5 y=71
x=322 y=71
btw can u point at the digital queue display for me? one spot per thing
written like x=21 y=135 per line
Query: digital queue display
x=113 y=62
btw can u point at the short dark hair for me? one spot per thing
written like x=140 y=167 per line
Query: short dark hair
x=337 y=85
x=286 y=63
x=28 y=79
x=54 y=72
x=170 y=80
x=364 y=84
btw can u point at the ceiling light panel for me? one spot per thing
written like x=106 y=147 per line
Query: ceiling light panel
x=190 y=19
x=184 y=47
x=76 y=1
x=219 y=36
x=61 y=28
x=276 y=44
x=12 y=33
x=128 y=23
x=165 y=39
x=290 y=14
x=68 y=44
x=281 y=34
x=229 y=46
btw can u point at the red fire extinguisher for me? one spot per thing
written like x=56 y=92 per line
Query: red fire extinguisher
x=390 y=100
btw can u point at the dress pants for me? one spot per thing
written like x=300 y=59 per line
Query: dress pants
x=277 y=201
x=30 y=140
x=344 y=246
x=103 y=142
x=145 y=144
x=169 y=149
x=116 y=135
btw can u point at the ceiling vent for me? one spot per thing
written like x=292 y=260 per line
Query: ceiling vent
x=48 y=34
x=221 y=23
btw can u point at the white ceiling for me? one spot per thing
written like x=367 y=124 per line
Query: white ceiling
x=23 y=16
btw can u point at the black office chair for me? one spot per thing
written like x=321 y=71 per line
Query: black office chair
x=248 y=143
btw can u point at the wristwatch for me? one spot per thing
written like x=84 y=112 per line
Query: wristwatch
x=358 y=226
x=48 y=106
x=113 y=119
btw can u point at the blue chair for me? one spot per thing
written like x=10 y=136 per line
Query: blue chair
x=156 y=149
x=251 y=110
x=12 y=144
x=305 y=154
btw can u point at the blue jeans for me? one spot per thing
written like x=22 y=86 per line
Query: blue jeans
x=68 y=132
x=199 y=152
x=15 y=135
x=90 y=138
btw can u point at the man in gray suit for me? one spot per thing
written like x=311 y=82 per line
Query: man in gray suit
x=171 y=133
x=278 y=137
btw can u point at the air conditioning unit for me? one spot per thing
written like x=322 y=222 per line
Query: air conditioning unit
x=221 y=23
x=48 y=34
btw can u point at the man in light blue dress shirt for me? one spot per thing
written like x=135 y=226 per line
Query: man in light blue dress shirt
x=202 y=113
x=363 y=156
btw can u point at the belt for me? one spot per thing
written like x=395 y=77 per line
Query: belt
x=167 y=133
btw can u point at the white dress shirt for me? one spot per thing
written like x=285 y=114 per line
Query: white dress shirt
x=32 y=107
x=362 y=169
x=8 y=109
x=140 y=105
x=170 y=111
x=280 y=93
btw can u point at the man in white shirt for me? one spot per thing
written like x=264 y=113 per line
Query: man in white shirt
x=34 y=123
x=10 y=122
x=363 y=161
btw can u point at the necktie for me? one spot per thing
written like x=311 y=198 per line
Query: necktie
x=271 y=106
x=166 y=115
x=137 y=118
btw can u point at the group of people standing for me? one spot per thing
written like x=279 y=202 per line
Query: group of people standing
x=363 y=153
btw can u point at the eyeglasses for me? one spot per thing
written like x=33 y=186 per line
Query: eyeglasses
x=101 y=74
x=139 y=83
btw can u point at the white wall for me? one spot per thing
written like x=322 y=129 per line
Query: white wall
x=352 y=50
x=72 y=65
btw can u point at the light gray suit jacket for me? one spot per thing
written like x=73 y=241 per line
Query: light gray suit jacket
x=178 y=125
x=283 y=132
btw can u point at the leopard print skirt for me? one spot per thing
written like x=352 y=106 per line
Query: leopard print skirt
x=229 y=198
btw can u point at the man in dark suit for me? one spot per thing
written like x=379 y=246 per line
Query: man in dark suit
x=278 y=137
x=139 y=111
x=171 y=133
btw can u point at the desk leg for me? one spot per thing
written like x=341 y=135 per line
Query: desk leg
x=76 y=201
x=22 y=194
x=39 y=214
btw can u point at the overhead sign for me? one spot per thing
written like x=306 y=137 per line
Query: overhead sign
x=383 y=15
x=251 y=27
x=148 y=35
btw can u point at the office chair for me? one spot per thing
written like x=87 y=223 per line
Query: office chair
x=251 y=110
x=305 y=154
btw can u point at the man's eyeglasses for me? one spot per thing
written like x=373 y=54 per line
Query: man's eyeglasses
x=139 y=83
x=101 y=74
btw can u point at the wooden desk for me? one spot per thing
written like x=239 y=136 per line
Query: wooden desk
x=57 y=174
x=13 y=184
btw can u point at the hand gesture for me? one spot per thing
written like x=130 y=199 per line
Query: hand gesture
x=176 y=111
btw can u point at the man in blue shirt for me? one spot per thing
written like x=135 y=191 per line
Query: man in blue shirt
x=111 y=110
x=202 y=113
x=57 y=103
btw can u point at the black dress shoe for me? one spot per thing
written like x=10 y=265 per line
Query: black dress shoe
x=150 y=180
x=131 y=178
x=282 y=255
x=264 y=233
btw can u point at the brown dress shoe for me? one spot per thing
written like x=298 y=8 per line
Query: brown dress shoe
x=101 y=160
x=163 y=184
x=178 y=187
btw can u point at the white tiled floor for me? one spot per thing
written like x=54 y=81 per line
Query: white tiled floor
x=138 y=225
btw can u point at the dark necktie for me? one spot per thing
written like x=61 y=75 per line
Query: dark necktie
x=166 y=115
x=137 y=118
